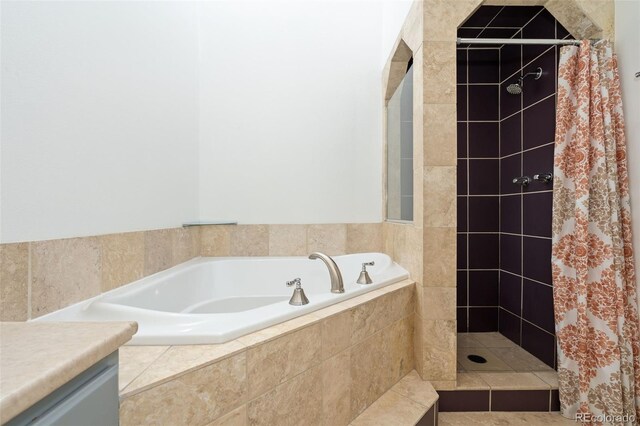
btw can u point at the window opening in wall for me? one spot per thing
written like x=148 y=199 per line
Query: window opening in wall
x=400 y=150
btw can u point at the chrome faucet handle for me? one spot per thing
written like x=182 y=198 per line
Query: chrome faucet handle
x=364 y=277
x=364 y=265
x=543 y=177
x=296 y=281
x=298 y=298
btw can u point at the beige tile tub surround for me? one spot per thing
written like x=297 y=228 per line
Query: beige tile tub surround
x=37 y=358
x=290 y=240
x=14 y=282
x=122 y=259
x=64 y=272
x=40 y=277
x=322 y=368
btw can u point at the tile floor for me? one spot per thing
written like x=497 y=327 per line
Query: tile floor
x=501 y=354
x=498 y=418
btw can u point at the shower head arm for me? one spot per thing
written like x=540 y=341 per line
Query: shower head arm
x=537 y=74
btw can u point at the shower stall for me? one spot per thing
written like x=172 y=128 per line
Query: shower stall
x=506 y=124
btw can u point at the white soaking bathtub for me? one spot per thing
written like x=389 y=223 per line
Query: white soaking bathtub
x=217 y=299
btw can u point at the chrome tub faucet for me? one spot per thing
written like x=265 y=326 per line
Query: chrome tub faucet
x=337 y=285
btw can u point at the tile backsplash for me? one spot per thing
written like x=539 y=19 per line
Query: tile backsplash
x=42 y=276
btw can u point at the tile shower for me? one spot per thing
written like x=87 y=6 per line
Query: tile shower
x=504 y=230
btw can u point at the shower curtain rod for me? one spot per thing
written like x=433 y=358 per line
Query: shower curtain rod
x=548 y=41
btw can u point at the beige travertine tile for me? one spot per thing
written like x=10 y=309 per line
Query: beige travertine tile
x=215 y=240
x=470 y=381
x=133 y=360
x=440 y=196
x=276 y=331
x=411 y=31
x=519 y=359
x=194 y=398
x=413 y=387
x=398 y=337
x=512 y=380
x=122 y=259
x=369 y=317
x=574 y=18
x=295 y=402
x=403 y=300
x=14 y=282
x=287 y=240
x=277 y=361
x=185 y=244
x=388 y=238
x=440 y=142
x=493 y=362
x=506 y=419
x=492 y=340
x=391 y=409
x=439 y=257
x=443 y=384
x=180 y=360
x=336 y=389
x=549 y=377
x=336 y=333
x=466 y=340
x=364 y=237
x=439 y=72
x=330 y=238
x=237 y=417
x=64 y=272
x=439 y=303
x=439 y=349
x=158 y=252
x=249 y=240
x=418 y=193
x=418 y=346
x=602 y=14
x=370 y=372
x=408 y=249
x=443 y=17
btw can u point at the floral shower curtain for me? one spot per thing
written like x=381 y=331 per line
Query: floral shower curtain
x=596 y=310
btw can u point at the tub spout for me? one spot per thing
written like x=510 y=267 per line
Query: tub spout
x=334 y=272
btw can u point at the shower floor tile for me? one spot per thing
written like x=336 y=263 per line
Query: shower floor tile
x=500 y=353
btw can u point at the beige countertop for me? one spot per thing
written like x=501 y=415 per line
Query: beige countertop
x=38 y=357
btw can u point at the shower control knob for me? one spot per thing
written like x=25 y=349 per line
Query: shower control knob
x=543 y=177
x=522 y=180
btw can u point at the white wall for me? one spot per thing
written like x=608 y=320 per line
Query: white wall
x=627 y=47
x=290 y=110
x=123 y=116
x=99 y=120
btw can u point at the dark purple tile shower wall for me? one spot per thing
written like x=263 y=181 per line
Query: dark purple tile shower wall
x=504 y=244
x=478 y=187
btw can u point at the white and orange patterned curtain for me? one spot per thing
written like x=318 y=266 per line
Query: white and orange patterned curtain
x=596 y=309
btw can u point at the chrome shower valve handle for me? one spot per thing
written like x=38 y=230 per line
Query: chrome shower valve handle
x=522 y=180
x=543 y=177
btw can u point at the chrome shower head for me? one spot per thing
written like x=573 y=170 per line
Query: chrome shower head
x=516 y=88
